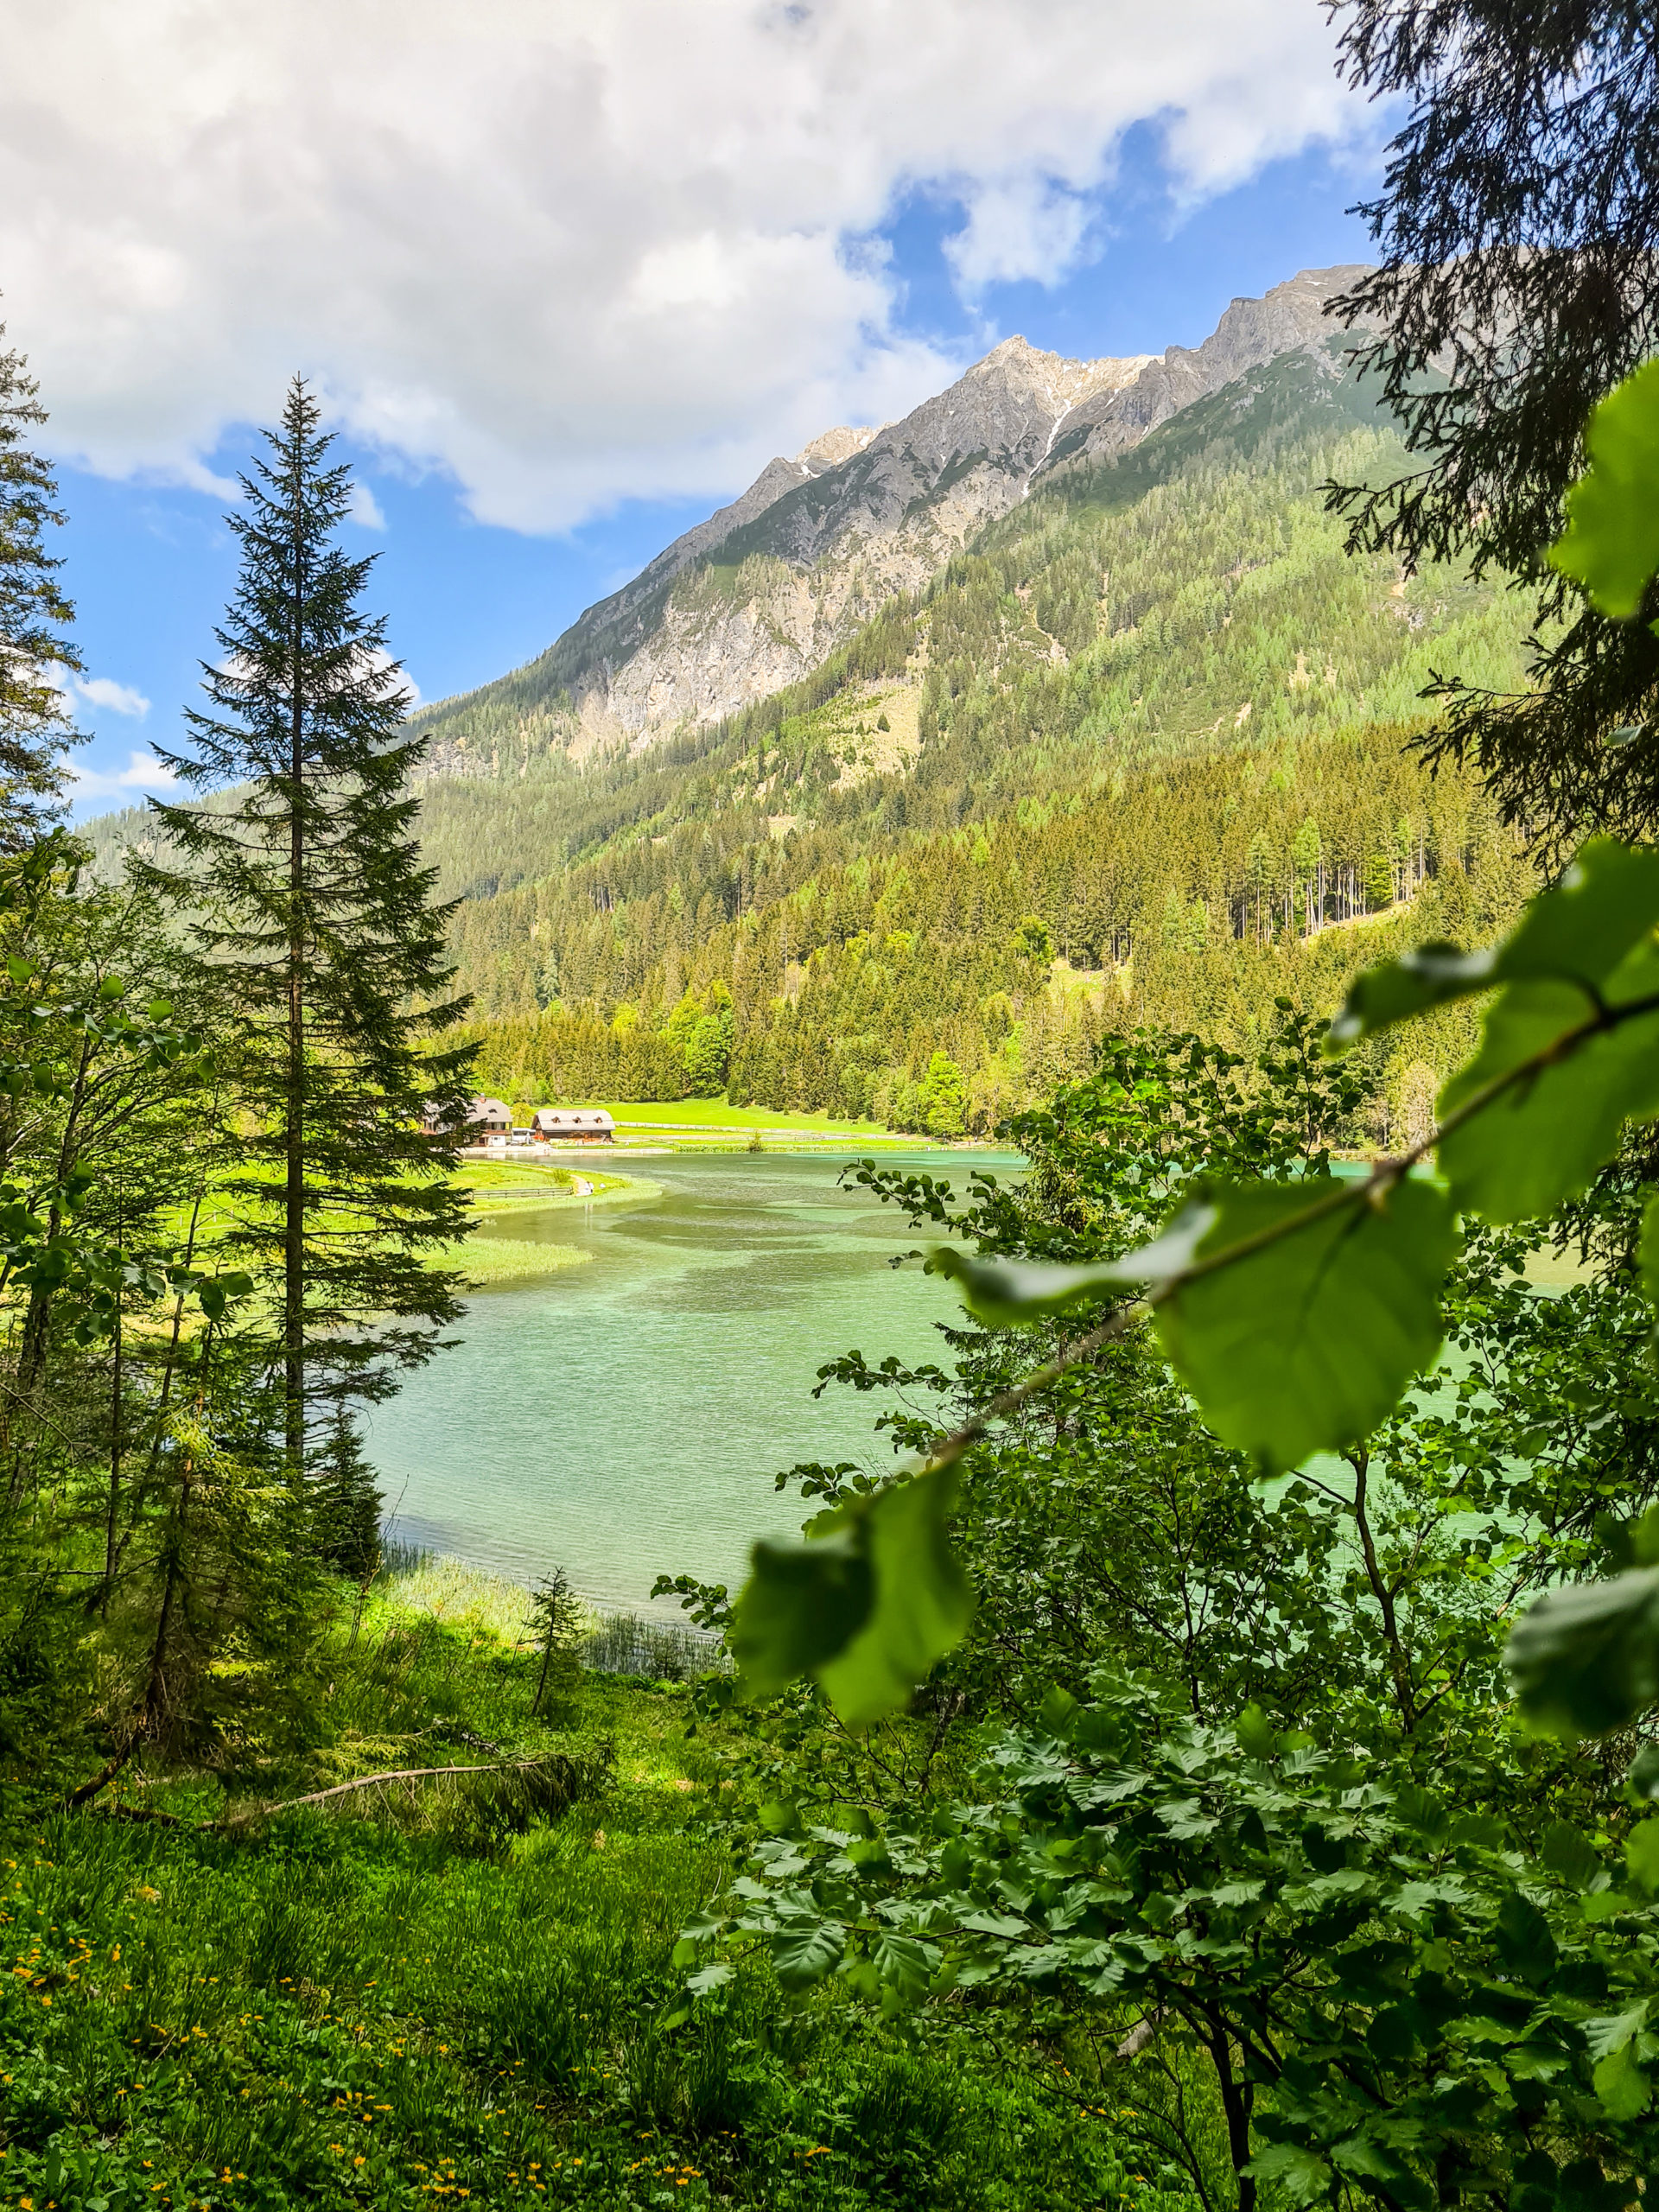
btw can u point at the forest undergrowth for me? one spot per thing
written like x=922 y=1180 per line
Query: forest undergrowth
x=457 y=1992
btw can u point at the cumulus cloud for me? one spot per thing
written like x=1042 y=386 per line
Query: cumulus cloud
x=97 y=691
x=114 y=698
x=569 y=256
x=365 y=508
x=143 y=772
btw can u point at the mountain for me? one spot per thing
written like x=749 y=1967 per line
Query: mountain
x=1136 y=753
x=760 y=594
x=1133 y=751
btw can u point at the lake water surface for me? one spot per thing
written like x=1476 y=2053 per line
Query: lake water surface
x=624 y=1418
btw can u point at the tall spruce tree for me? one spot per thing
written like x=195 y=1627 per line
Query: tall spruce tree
x=1519 y=281
x=315 y=928
x=35 y=618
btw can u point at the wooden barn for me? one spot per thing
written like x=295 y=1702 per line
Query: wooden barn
x=573 y=1125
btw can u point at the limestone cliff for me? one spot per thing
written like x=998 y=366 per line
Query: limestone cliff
x=757 y=596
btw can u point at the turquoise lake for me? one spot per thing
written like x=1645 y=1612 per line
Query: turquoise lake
x=626 y=1418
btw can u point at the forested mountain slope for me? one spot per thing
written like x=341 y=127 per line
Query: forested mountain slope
x=1135 y=754
x=757 y=596
x=1129 y=756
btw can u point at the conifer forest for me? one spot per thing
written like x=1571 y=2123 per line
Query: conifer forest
x=1203 y=1755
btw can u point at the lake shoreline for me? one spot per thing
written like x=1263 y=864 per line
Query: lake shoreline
x=625 y=1413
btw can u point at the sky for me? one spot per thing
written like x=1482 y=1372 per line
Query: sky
x=565 y=280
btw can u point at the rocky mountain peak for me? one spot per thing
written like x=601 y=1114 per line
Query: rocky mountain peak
x=1059 y=381
x=830 y=447
x=763 y=591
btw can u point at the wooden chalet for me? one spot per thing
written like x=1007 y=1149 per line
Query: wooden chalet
x=573 y=1125
x=484 y=1121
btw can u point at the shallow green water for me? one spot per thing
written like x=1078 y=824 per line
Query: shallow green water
x=626 y=1418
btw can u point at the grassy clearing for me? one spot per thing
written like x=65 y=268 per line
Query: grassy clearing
x=715 y=1114
x=498 y=1185
x=456 y=1993
x=507 y=1188
x=469 y=1600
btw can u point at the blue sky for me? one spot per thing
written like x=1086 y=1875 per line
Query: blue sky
x=549 y=353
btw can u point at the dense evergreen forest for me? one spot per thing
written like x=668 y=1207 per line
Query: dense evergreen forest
x=1127 y=760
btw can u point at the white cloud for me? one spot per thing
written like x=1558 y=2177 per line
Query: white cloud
x=143 y=772
x=365 y=508
x=1024 y=227
x=114 y=698
x=100 y=691
x=411 y=689
x=572 y=254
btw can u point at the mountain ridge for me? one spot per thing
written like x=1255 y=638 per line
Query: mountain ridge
x=752 y=599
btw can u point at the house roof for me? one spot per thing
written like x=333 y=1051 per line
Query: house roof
x=569 y=1117
x=489 y=1110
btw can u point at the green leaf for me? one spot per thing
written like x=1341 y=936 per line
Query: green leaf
x=1304 y=2179
x=802 y=1603
x=1305 y=1345
x=1582 y=946
x=706 y=1979
x=1257 y=1736
x=1605 y=903
x=1585 y=1659
x=1642 y=1853
x=805 y=1949
x=868 y=1607
x=1609 y=2032
x=1610 y=544
x=923 y=1600
x=1577 y=930
x=1368 y=2160
x=1647 y=1254
x=1012 y=1294
x=1540 y=1141
x=1624 y=2090
x=1525 y=1940
x=1569 y=1854
x=1429 y=977
x=906 y=1965
x=1057 y=1713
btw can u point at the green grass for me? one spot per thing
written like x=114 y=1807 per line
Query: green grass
x=509 y=1183
x=489 y=1262
x=508 y=1187
x=698 y=1116
x=457 y=1994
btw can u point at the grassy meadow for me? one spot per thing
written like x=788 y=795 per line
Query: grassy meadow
x=460 y=1991
x=689 y=1122
x=502 y=1189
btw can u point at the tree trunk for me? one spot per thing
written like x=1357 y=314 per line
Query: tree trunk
x=116 y=1441
x=294 y=1195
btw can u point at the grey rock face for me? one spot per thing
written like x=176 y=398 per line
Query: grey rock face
x=758 y=596
x=1291 y=319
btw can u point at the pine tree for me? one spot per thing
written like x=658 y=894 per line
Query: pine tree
x=1518 y=283
x=35 y=617
x=348 y=1502
x=314 y=924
